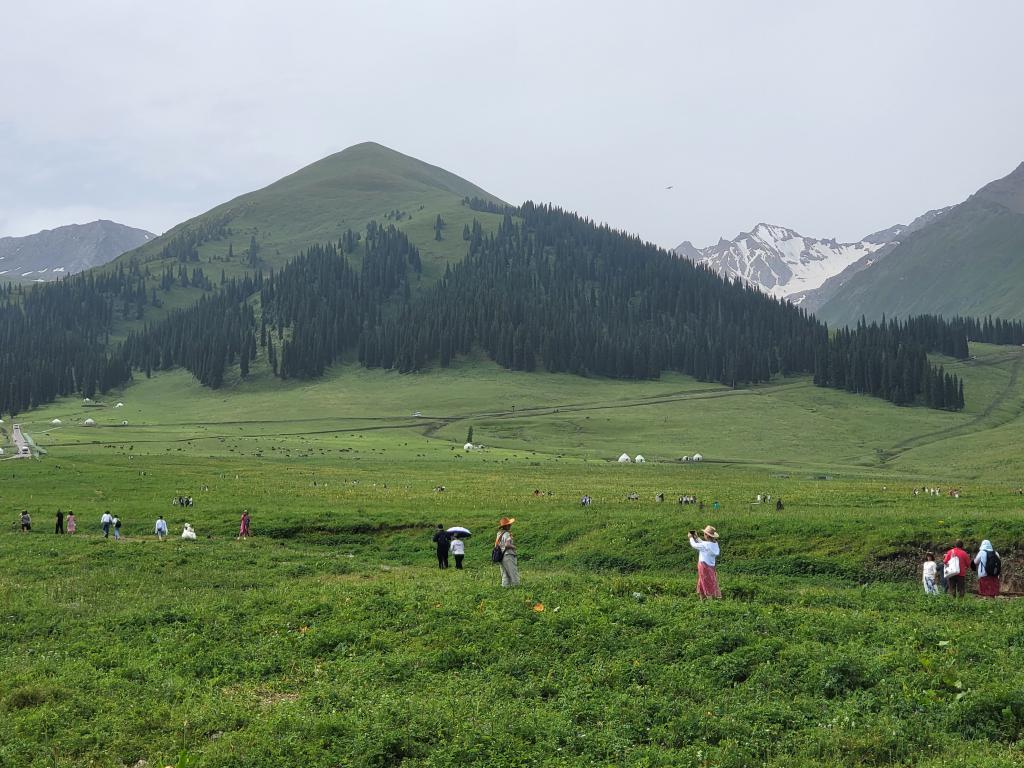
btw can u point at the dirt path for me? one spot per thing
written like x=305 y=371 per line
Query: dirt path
x=437 y=423
x=968 y=427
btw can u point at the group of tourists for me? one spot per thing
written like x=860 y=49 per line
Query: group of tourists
x=952 y=578
x=504 y=555
x=111 y=524
x=953 y=493
x=452 y=541
x=60 y=522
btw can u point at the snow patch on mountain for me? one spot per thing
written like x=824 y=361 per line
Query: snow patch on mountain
x=777 y=259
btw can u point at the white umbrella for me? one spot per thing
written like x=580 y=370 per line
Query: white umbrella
x=458 y=530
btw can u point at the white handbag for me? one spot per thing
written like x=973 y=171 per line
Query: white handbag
x=952 y=567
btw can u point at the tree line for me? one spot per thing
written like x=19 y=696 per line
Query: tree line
x=889 y=360
x=547 y=290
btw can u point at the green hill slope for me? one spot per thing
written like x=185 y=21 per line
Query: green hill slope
x=968 y=262
x=787 y=425
x=319 y=203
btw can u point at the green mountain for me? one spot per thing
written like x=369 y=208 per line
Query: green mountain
x=970 y=261
x=340 y=262
x=319 y=203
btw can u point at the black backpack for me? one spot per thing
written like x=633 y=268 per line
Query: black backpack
x=993 y=565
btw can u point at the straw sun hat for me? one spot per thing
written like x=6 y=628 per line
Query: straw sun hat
x=506 y=521
x=710 y=532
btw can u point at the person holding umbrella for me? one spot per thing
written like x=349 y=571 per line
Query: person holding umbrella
x=458 y=545
x=707 y=553
x=442 y=539
x=505 y=550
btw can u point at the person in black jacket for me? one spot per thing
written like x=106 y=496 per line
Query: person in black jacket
x=59 y=527
x=443 y=540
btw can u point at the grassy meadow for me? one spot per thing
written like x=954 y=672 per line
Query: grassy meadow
x=331 y=639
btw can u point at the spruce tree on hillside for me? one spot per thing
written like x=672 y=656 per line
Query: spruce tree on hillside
x=253 y=256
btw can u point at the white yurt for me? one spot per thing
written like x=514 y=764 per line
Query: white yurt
x=89 y=423
x=124 y=423
x=119 y=405
x=639 y=459
x=86 y=399
x=467 y=447
x=56 y=421
x=624 y=459
x=698 y=457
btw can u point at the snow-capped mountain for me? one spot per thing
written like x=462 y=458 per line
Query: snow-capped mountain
x=779 y=260
x=54 y=253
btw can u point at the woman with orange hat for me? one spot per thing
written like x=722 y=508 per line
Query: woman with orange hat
x=505 y=553
x=707 y=576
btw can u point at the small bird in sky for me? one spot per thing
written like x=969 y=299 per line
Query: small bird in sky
x=670 y=186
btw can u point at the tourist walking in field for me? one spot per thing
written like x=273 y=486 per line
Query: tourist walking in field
x=505 y=553
x=71 y=522
x=955 y=564
x=59 y=526
x=989 y=566
x=105 y=523
x=929 y=574
x=442 y=540
x=458 y=549
x=26 y=521
x=160 y=529
x=707 y=554
x=117 y=528
x=243 y=526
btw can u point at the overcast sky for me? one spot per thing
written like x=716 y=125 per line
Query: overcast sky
x=834 y=118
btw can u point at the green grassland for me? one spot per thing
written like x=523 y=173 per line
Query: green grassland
x=354 y=412
x=331 y=639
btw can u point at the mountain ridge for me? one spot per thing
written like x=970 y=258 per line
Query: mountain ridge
x=888 y=238
x=778 y=259
x=967 y=261
x=65 y=250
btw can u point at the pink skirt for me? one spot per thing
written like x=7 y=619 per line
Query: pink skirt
x=988 y=586
x=707 y=582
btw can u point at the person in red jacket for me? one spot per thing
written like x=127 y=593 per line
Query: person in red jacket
x=957 y=582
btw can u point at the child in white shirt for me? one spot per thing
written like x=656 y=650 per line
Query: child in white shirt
x=930 y=574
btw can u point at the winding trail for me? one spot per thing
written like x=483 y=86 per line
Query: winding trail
x=971 y=426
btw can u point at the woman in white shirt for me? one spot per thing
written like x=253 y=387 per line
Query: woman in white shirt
x=707 y=554
x=458 y=548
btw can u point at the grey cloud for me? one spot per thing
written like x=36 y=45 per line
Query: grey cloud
x=835 y=118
